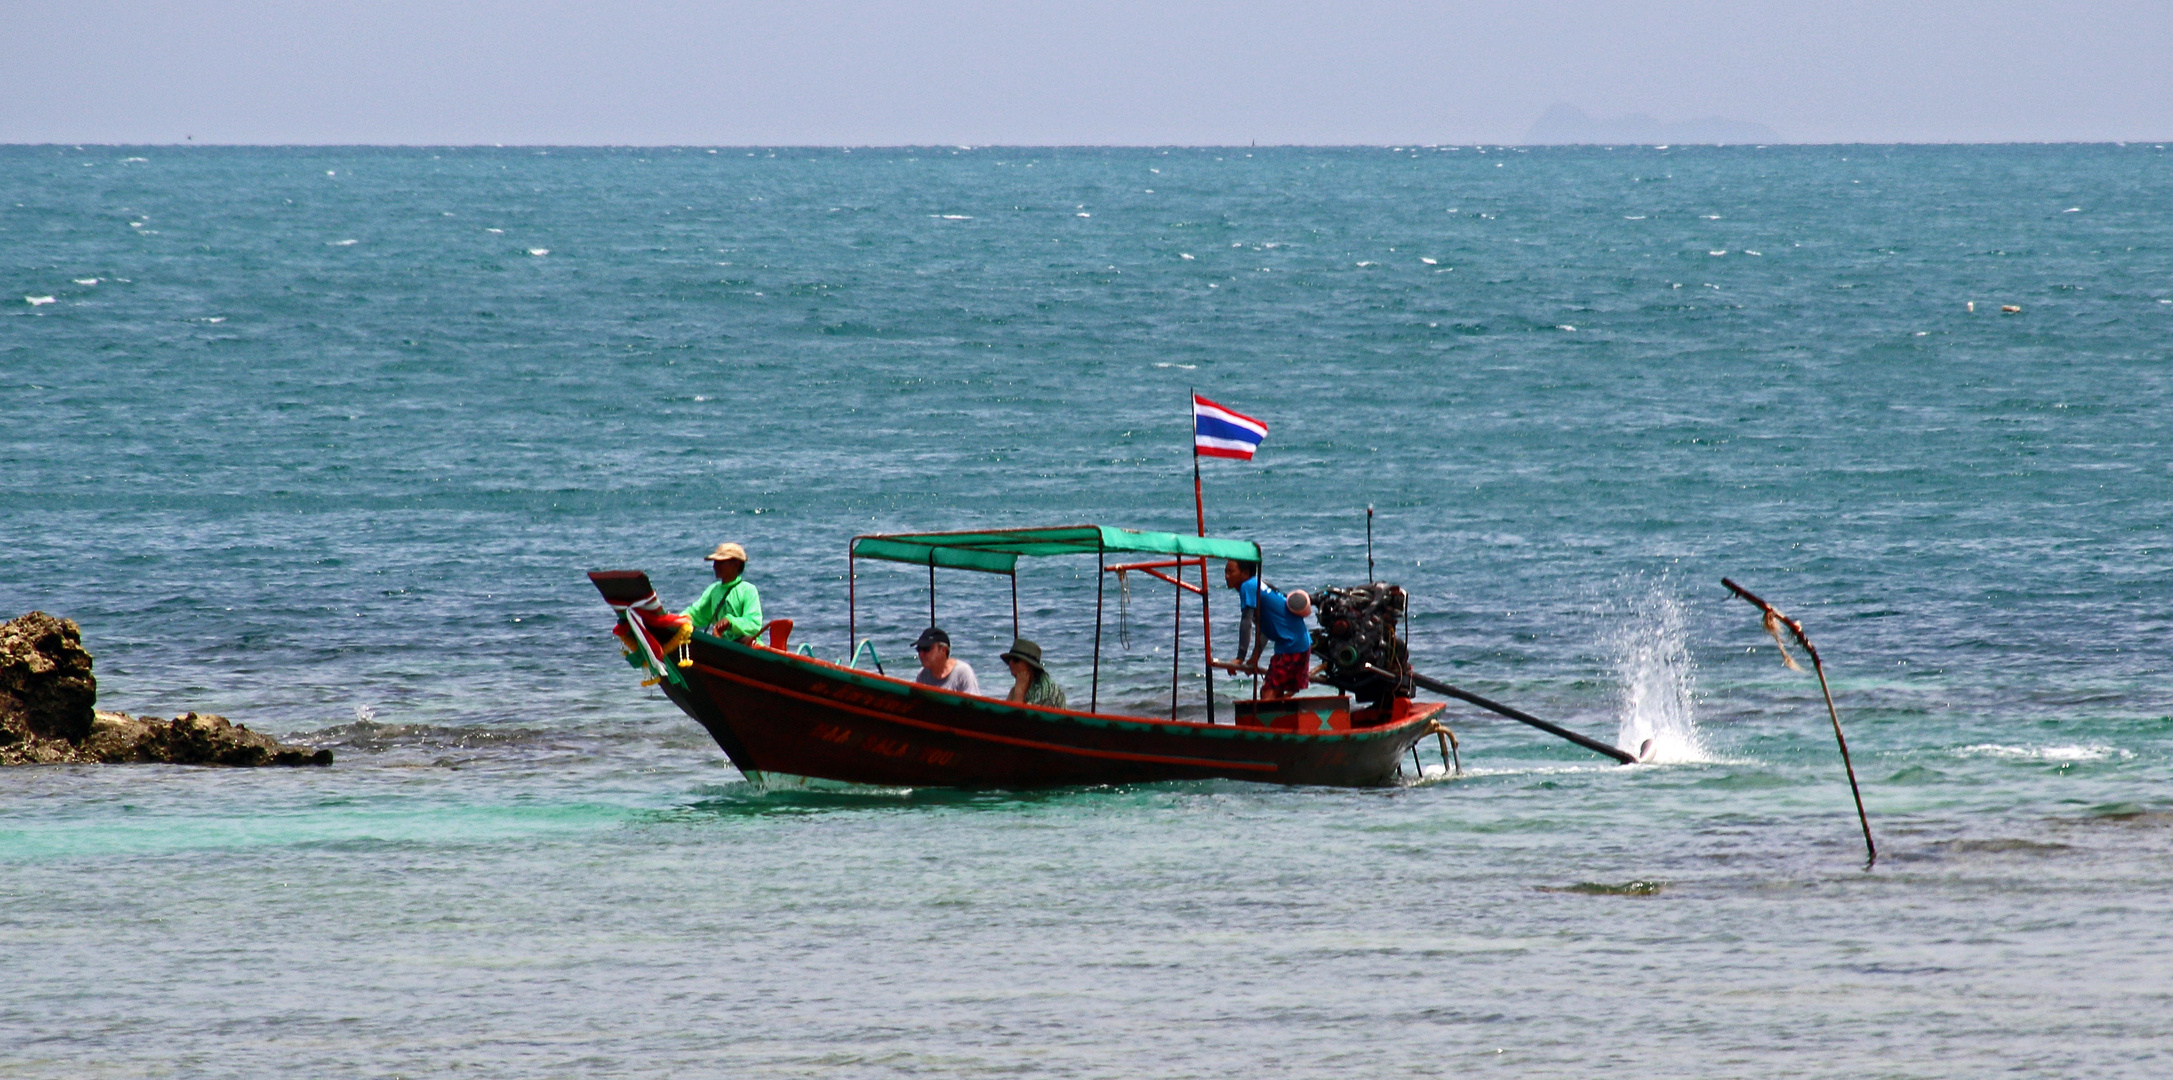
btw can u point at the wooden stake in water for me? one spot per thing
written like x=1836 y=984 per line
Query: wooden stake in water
x=1774 y=620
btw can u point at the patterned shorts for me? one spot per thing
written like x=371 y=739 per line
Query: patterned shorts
x=1287 y=674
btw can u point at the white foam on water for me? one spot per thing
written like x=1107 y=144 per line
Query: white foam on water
x=343 y=243
x=37 y=301
x=539 y=252
x=86 y=281
x=1655 y=698
x=2094 y=752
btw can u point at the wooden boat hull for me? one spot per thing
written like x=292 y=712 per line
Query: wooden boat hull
x=776 y=712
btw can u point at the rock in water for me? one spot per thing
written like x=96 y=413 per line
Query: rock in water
x=189 y=739
x=48 y=714
x=46 y=687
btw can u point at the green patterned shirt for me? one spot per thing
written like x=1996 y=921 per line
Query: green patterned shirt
x=1044 y=691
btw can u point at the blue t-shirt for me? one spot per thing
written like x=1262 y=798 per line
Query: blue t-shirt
x=1287 y=631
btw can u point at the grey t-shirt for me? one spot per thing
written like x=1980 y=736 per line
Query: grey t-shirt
x=961 y=679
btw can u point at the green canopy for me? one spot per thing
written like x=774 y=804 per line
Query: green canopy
x=997 y=551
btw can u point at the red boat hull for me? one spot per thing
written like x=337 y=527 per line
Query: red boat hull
x=776 y=712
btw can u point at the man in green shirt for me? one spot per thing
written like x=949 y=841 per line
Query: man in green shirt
x=729 y=608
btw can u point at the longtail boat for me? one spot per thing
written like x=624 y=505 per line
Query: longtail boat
x=783 y=715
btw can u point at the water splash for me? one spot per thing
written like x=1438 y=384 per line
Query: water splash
x=1657 y=681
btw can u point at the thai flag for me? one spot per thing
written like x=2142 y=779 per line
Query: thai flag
x=1218 y=432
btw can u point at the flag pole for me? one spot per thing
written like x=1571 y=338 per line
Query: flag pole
x=1199 y=505
x=1199 y=510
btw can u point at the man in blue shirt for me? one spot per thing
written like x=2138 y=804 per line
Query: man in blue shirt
x=1268 y=609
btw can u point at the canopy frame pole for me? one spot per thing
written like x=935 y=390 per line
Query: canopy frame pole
x=931 y=587
x=1176 y=638
x=1094 y=695
x=1152 y=569
x=1207 y=642
x=1014 y=601
x=852 y=605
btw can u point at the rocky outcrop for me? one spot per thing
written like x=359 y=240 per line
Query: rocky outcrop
x=46 y=687
x=48 y=714
x=190 y=739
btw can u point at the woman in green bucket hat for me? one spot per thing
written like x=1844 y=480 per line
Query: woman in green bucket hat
x=1034 y=686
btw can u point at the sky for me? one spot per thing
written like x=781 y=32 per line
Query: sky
x=1082 y=72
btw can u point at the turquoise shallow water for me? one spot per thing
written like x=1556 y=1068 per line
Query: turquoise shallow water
x=319 y=439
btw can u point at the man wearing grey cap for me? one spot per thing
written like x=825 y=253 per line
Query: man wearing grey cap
x=939 y=669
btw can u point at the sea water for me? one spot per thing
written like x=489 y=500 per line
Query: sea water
x=324 y=439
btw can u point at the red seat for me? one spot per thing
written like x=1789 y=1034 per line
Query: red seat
x=780 y=631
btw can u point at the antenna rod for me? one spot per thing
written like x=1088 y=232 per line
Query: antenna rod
x=1369 y=542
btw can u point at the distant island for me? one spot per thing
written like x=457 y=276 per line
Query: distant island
x=1570 y=125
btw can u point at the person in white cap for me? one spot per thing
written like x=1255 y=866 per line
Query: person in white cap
x=730 y=607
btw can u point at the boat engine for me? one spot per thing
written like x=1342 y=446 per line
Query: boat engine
x=1358 y=625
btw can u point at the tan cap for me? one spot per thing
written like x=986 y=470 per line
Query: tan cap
x=728 y=551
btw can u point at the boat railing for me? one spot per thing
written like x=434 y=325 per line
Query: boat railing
x=867 y=645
